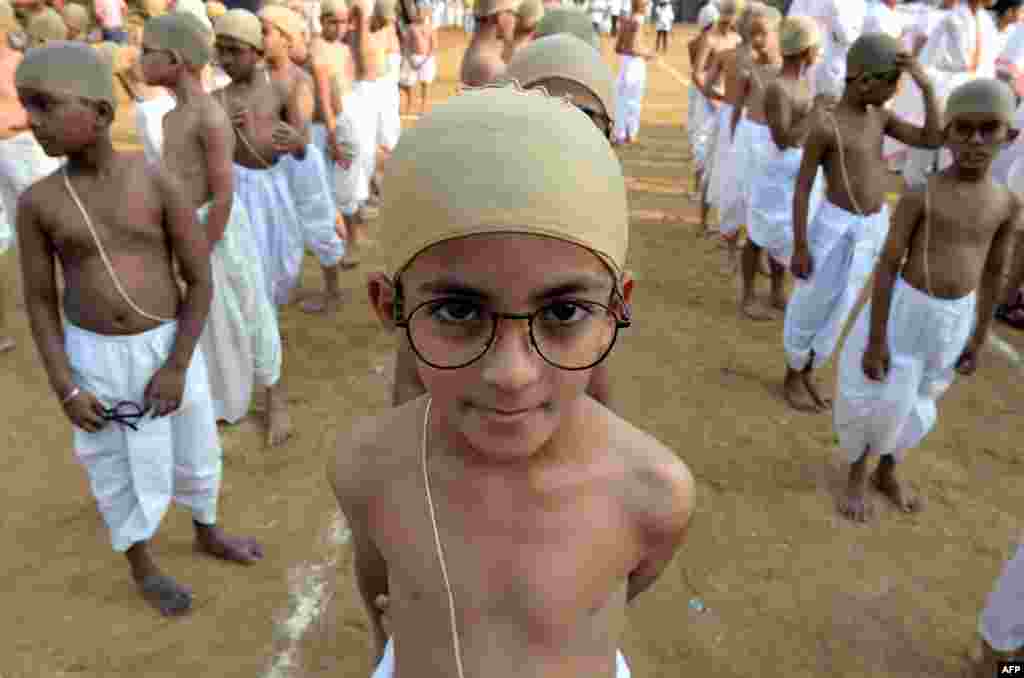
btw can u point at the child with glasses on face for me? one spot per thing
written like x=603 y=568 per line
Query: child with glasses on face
x=833 y=255
x=506 y=501
x=933 y=298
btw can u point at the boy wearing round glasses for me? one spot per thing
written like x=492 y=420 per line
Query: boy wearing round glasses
x=506 y=501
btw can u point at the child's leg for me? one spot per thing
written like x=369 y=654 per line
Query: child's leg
x=279 y=423
x=6 y=266
x=778 y=278
x=885 y=481
x=424 y=92
x=406 y=104
x=165 y=594
x=854 y=503
x=750 y=260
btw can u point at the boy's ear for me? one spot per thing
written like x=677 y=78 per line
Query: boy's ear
x=381 y=292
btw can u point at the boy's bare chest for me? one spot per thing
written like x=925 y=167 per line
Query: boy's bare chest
x=265 y=101
x=543 y=564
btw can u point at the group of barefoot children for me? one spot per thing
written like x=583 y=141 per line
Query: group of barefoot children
x=500 y=493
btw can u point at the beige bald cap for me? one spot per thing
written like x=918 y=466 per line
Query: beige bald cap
x=46 y=26
x=182 y=34
x=8 y=20
x=758 y=11
x=798 y=33
x=76 y=17
x=501 y=160
x=215 y=9
x=568 y=20
x=986 y=96
x=285 y=20
x=531 y=12
x=242 y=25
x=333 y=7
x=491 y=7
x=153 y=8
x=872 y=53
x=69 y=68
x=564 y=56
x=731 y=8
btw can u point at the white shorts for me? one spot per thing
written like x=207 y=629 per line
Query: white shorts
x=926 y=337
x=418 y=70
x=135 y=474
x=386 y=667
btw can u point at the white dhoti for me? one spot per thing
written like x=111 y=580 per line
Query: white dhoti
x=772 y=186
x=313 y=199
x=267 y=198
x=149 y=120
x=721 y=189
x=699 y=124
x=386 y=667
x=344 y=182
x=629 y=93
x=734 y=199
x=241 y=340
x=926 y=337
x=844 y=248
x=135 y=474
x=1002 y=622
x=389 y=127
x=23 y=162
x=367 y=122
x=418 y=69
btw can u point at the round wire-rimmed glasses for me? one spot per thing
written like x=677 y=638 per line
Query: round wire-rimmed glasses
x=577 y=342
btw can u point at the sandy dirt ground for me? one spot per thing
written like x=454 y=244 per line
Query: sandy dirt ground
x=788 y=588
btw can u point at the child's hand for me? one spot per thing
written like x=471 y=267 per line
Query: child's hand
x=802 y=264
x=86 y=412
x=876 y=362
x=968 y=361
x=908 y=64
x=164 y=392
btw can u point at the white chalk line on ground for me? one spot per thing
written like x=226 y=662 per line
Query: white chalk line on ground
x=673 y=72
x=308 y=586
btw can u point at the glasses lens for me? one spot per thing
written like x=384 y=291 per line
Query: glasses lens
x=453 y=333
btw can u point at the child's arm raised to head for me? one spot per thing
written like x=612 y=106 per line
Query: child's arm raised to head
x=670 y=496
x=347 y=473
x=929 y=136
x=992 y=281
x=905 y=220
x=217 y=138
x=819 y=142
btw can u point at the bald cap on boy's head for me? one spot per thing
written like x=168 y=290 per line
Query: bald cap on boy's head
x=242 y=25
x=872 y=53
x=69 y=68
x=986 y=96
x=181 y=34
x=449 y=177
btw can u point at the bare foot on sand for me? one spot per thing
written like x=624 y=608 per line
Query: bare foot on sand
x=822 y=403
x=7 y=344
x=279 y=424
x=854 y=503
x=212 y=540
x=796 y=392
x=169 y=597
x=755 y=310
x=884 y=480
x=322 y=302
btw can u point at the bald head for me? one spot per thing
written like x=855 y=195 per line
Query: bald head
x=873 y=53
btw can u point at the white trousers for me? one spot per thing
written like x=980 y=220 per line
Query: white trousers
x=267 y=197
x=721 y=189
x=386 y=667
x=926 y=337
x=772 y=187
x=241 y=340
x=734 y=196
x=313 y=199
x=699 y=125
x=135 y=474
x=1001 y=624
x=23 y=162
x=629 y=93
x=366 y=93
x=389 y=125
x=344 y=182
x=844 y=248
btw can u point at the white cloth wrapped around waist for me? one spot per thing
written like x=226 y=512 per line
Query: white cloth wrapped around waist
x=241 y=339
x=926 y=337
x=134 y=474
x=149 y=120
x=734 y=196
x=313 y=198
x=386 y=667
x=722 y=188
x=772 y=188
x=700 y=124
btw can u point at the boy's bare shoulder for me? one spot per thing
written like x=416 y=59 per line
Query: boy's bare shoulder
x=364 y=454
x=662 y=492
